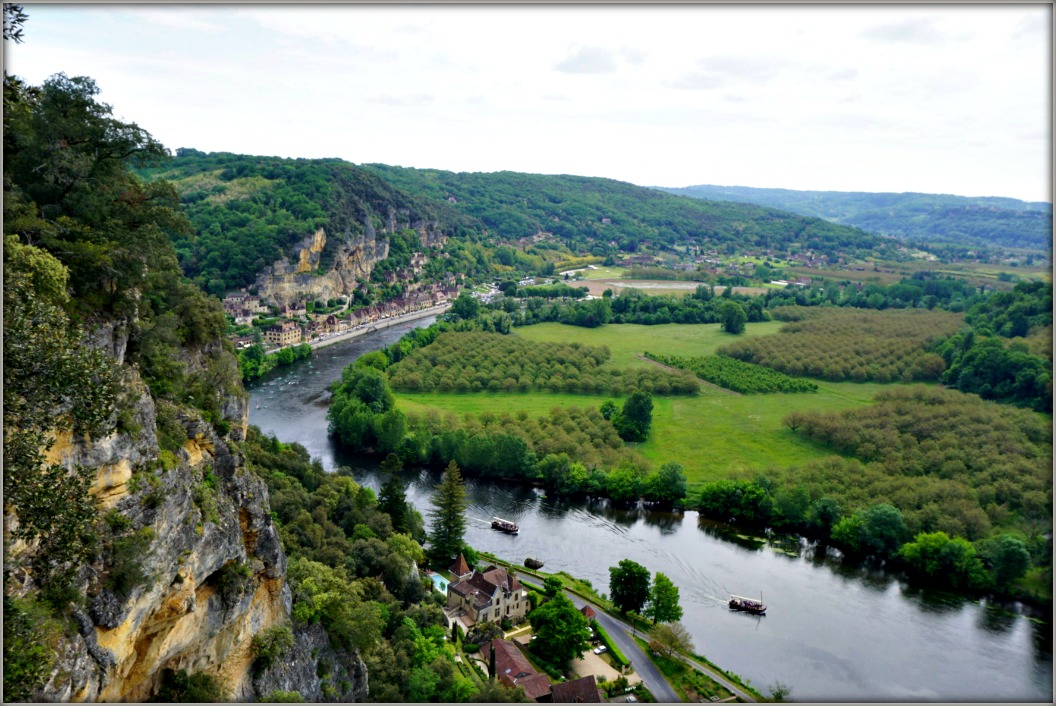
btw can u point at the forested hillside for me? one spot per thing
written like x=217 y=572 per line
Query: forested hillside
x=984 y=221
x=590 y=213
x=249 y=212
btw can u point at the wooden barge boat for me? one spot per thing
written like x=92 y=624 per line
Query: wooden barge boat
x=747 y=605
x=506 y=526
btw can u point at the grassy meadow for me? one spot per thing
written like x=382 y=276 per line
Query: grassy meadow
x=716 y=434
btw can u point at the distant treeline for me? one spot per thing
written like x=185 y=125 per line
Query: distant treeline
x=987 y=221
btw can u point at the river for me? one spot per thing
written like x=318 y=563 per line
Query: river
x=832 y=633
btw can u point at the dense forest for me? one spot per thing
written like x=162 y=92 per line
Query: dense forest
x=929 y=218
x=587 y=214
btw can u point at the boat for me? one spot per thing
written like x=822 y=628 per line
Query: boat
x=747 y=605
x=504 y=525
x=533 y=563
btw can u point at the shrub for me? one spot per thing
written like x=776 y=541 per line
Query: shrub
x=180 y=687
x=30 y=634
x=128 y=562
x=270 y=644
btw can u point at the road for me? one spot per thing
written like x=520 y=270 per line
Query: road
x=621 y=634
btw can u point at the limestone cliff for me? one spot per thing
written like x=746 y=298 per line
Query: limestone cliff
x=350 y=254
x=215 y=568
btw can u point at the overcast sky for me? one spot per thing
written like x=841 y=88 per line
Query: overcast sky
x=938 y=99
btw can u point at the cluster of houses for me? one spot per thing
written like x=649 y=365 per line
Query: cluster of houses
x=494 y=594
x=246 y=307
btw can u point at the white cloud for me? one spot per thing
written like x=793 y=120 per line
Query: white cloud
x=588 y=60
x=793 y=94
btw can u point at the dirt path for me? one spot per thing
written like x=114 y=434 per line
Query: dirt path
x=710 y=385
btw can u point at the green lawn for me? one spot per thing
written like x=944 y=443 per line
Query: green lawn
x=604 y=272
x=713 y=434
x=716 y=435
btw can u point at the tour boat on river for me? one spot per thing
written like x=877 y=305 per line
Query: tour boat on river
x=504 y=525
x=748 y=605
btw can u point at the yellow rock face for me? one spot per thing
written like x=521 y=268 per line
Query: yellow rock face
x=318 y=243
x=175 y=636
x=110 y=482
x=197 y=449
x=63 y=443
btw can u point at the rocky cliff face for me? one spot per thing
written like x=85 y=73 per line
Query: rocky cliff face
x=215 y=570
x=355 y=253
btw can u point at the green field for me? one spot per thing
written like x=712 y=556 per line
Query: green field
x=715 y=434
x=626 y=341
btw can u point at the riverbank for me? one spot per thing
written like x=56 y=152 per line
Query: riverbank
x=582 y=593
x=333 y=338
x=923 y=644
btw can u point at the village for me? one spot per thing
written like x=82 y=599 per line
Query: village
x=302 y=322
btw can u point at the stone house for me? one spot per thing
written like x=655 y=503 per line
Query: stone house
x=283 y=334
x=486 y=596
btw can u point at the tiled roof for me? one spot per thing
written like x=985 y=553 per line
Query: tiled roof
x=535 y=686
x=510 y=663
x=461 y=566
x=577 y=691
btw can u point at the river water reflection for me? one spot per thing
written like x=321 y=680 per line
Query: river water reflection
x=832 y=632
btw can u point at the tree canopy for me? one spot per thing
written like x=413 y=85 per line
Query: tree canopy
x=629 y=585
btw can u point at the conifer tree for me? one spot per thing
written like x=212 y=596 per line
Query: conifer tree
x=448 y=515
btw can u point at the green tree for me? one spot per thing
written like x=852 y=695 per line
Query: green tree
x=883 y=530
x=667 y=486
x=1008 y=558
x=560 y=630
x=635 y=419
x=629 y=585
x=942 y=559
x=670 y=638
x=663 y=606
x=392 y=500
x=466 y=306
x=732 y=316
x=552 y=586
x=449 y=503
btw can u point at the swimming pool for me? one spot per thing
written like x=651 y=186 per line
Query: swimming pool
x=440 y=582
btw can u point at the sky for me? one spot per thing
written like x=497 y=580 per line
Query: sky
x=952 y=99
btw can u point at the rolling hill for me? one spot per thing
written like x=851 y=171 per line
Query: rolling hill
x=930 y=218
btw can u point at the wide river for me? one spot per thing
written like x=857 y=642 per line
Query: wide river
x=831 y=633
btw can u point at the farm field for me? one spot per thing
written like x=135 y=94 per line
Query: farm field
x=715 y=434
x=626 y=341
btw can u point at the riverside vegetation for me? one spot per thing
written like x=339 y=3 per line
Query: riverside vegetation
x=892 y=478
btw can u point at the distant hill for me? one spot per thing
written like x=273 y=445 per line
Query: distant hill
x=935 y=218
x=255 y=215
x=589 y=212
x=250 y=212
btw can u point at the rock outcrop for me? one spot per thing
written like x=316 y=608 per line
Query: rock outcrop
x=214 y=564
x=354 y=254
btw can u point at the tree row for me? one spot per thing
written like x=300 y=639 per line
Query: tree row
x=736 y=375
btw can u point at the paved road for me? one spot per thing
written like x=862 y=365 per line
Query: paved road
x=620 y=633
